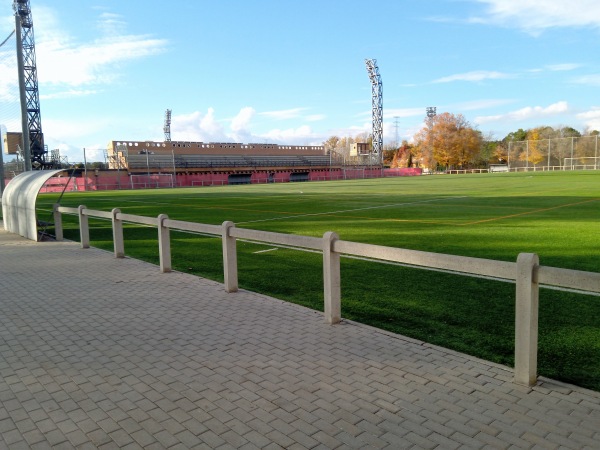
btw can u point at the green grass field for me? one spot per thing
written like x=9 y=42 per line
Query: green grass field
x=495 y=216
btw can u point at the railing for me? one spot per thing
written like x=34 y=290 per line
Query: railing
x=525 y=272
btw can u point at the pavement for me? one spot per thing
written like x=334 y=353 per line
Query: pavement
x=98 y=352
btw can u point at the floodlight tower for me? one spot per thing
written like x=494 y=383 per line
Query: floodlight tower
x=377 y=107
x=167 y=127
x=33 y=137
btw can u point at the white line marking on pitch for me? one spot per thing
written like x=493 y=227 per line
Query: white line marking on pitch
x=264 y=251
x=353 y=210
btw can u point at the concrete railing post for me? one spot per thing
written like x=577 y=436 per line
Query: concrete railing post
x=84 y=227
x=331 y=279
x=117 y=229
x=230 y=271
x=526 y=319
x=164 y=244
x=58 y=227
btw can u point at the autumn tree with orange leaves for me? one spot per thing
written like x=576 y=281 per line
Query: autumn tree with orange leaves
x=447 y=140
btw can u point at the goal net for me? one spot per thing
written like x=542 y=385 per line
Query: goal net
x=583 y=163
x=157 y=180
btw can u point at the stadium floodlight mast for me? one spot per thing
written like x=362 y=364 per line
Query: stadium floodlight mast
x=33 y=138
x=377 y=108
x=431 y=111
x=167 y=127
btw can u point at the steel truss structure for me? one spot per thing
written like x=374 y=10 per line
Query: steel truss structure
x=167 y=127
x=377 y=107
x=28 y=69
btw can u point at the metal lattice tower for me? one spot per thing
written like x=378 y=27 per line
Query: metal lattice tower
x=29 y=84
x=167 y=127
x=377 y=108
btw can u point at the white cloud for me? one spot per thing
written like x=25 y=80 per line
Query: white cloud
x=315 y=117
x=284 y=114
x=63 y=61
x=207 y=128
x=475 y=76
x=68 y=94
x=530 y=112
x=591 y=118
x=481 y=104
x=9 y=91
x=563 y=67
x=111 y=24
x=198 y=127
x=60 y=134
x=240 y=124
x=589 y=80
x=536 y=15
x=474 y=105
x=242 y=120
x=291 y=135
x=389 y=113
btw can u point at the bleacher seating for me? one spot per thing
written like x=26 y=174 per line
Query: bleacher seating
x=203 y=161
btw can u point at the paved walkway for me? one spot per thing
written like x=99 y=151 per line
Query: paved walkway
x=104 y=353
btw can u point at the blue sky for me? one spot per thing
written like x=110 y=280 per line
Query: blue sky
x=293 y=71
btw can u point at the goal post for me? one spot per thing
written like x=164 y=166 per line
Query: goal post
x=582 y=163
x=155 y=180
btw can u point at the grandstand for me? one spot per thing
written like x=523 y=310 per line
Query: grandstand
x=210 y=163
x=201 y=157
x=148 y=164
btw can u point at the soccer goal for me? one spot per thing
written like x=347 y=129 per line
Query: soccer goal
x=156 y=180
x=582 y=163
x=353 y=173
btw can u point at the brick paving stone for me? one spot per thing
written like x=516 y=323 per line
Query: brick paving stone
x=211 y=439
x=125 y=364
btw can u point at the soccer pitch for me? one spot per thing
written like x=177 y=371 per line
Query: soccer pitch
x=494 y=216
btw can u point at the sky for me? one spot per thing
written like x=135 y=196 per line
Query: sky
x=293 y=71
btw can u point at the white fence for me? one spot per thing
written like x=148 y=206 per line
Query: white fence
x=525 y=272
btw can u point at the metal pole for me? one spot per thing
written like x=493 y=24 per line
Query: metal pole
x=174 y=170
x=548 y=153
x=508 y=156
x=572 y=139
x=85 y=170
x=2 y=181
x=116 y=151
x=23 y=97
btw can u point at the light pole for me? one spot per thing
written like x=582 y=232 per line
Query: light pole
x=431 y=112
x=174 y=169
x=85 y=170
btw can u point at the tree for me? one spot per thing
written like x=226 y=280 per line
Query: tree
x=519 y=135
x=534 y=154
x=331 y=144
x=402 y=156
x=569 y=132
x=448 y=140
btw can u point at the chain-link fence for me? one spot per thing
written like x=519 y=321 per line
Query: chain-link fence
x=571 y=153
